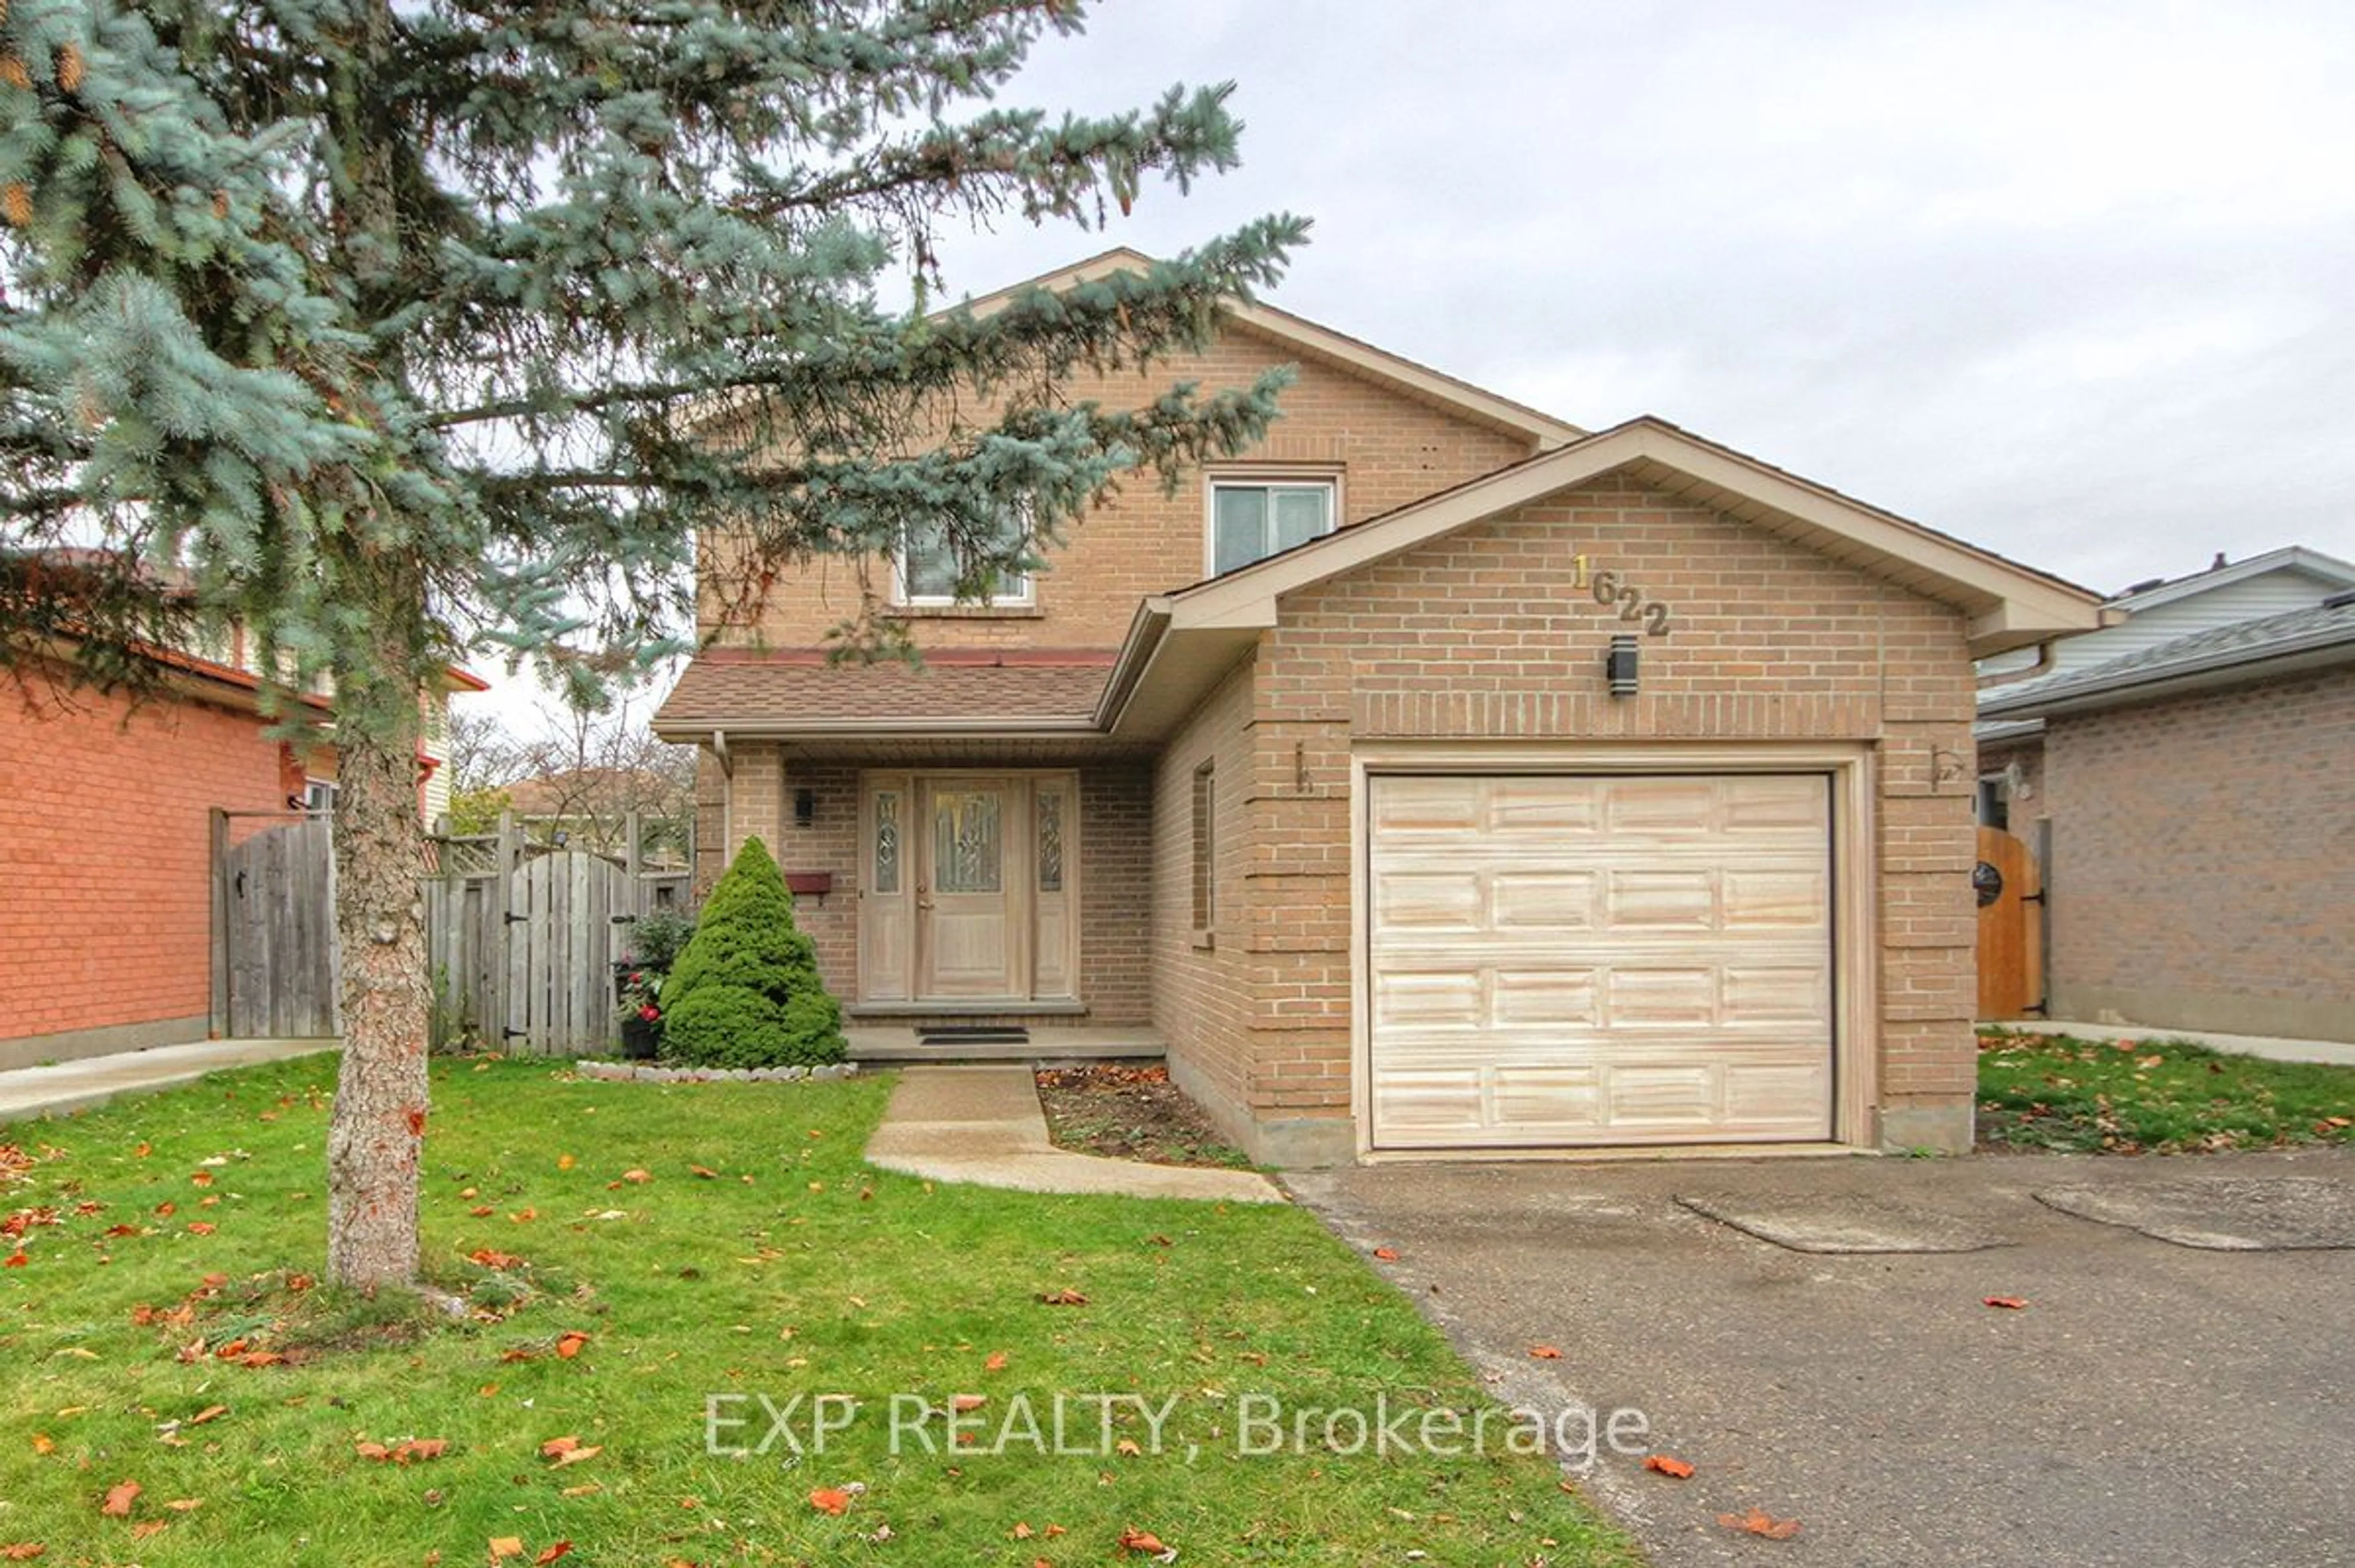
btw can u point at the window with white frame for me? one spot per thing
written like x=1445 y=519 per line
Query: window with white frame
x=1252 y=519
x=929 y=570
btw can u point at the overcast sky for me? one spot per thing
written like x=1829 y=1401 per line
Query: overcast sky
x=2076 y=282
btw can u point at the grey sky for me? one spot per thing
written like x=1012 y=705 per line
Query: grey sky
x=2074 y=281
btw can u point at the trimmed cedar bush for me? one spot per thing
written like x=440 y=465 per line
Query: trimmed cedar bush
x=745 y=991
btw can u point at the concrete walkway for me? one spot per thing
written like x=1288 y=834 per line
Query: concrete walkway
x=28 y=1092
x=2278 y=1048
x=984 y=1124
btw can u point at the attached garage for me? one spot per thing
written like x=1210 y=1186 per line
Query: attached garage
x=1557 y=960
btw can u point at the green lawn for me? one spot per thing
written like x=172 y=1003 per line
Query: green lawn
x=792 y=1268
x=2048 y=1092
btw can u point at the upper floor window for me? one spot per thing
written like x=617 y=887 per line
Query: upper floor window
x=929 y=572
x=1252 y=520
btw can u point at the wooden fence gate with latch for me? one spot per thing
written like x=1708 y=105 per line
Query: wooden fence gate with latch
x=2010 y=888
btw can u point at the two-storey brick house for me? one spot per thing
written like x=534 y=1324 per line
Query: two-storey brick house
x=1314 y=773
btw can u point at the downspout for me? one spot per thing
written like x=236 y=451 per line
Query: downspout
x=727 y=792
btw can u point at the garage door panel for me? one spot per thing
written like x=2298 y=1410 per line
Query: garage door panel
x=1562 y=997
x=1428 y=900
x=1789 y=900
x=1430 y=999
x=1638 y=998
x=1562 y=961
x=1677 y=900
x=1528 y=902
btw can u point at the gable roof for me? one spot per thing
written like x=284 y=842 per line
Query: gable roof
x=2223 y=655
x=1542 y=431
x=2296 y=559
x=1178 y=643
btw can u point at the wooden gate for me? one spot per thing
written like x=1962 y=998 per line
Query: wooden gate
x=569 y=917
x=2010 y=888
x=274 y=962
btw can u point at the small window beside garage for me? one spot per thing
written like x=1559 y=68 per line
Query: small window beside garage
x=1206 y=854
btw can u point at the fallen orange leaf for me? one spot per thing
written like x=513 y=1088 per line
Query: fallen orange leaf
x=1544 y=1353
x=704 y=1171
x=638 y=1176
x=574 y=1456
x=996 y=1362
x=119 y=1499
x=551 y=1553
x=44 y=1444
x=209 y=1412
x=21 y=1551
x=199 y=1228
x=1388 y=1254
x=505 y=1546
x=825 y=1500
x=260 y=1359
x=568 y=1343
x=965 y=1401
x=1668 y=1465
x=143 y=1529
x=184 y=1505
x=564 y=1162
x=2012 y=1302
x=1141 y=1540
x=1758 y=1522
x=201 y=1178
x=1064 y=1298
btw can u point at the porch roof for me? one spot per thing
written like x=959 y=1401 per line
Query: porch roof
x=795 y=692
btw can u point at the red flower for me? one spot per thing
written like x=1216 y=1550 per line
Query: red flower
x=649 y=1012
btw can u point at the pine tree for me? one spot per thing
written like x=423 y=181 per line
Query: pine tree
x=393 y=329
x=745 y=991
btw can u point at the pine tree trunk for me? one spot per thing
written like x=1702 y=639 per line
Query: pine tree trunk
x=379 y=1125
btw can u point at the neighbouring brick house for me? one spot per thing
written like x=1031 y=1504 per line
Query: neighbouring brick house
x=1311 y=774
x=106 y=806
x=2194 y=801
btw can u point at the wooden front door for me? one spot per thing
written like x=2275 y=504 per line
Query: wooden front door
x=2011 y=926
x=970 y=859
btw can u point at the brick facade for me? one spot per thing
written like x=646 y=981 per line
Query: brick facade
x=1481 y=636
x=1485 y=635
x=2202 y=868
x=107 y=922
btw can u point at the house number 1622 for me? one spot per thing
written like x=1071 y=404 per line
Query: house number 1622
x=1611 y=589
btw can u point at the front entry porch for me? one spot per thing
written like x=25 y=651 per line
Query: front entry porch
x=882 y=1044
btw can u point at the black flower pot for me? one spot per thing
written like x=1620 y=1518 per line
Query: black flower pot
x=639 y=1038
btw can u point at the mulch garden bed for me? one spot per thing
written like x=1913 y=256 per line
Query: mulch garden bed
x=1123 y=1112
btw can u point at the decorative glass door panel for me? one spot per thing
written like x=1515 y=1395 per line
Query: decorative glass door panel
x=967 y=945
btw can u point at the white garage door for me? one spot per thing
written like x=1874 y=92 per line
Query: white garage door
x=1560 y=961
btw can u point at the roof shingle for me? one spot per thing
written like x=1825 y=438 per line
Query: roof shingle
x=799 y=690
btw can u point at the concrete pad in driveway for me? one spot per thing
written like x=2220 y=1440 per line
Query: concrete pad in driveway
x=1841 y=1222
x=2151 y=1404
x=2224 y=1214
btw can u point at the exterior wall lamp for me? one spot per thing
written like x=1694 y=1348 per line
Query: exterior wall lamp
x=1619 y=666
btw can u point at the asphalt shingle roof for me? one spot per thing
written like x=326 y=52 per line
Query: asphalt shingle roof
x=2221 y=648
x=798 y=688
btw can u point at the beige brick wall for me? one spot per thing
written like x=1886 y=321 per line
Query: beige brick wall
x=1201 y=1001
x=1388 y=449
x=2203 y=860
x=1486 y=634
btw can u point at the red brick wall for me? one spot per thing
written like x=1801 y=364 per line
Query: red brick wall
x=107 y=918
x=2203 y=859
x=1201 y=999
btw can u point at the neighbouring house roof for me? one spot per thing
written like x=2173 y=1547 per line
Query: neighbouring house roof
x=753 y=694
x=1180 y=644
x=2271 y=646
x=2314 y=563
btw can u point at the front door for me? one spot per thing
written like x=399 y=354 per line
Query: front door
x=969 y=890
x=967 y=848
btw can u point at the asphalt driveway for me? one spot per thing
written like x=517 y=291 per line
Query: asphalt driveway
x=2153 y=1402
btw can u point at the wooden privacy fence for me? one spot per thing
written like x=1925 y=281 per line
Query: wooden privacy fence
x=274 y=963
x=521 y=939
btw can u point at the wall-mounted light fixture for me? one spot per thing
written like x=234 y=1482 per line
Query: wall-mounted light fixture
x=1619 y=666
x=804 y=807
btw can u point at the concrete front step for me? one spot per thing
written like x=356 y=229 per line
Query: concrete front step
x=869 y=1044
